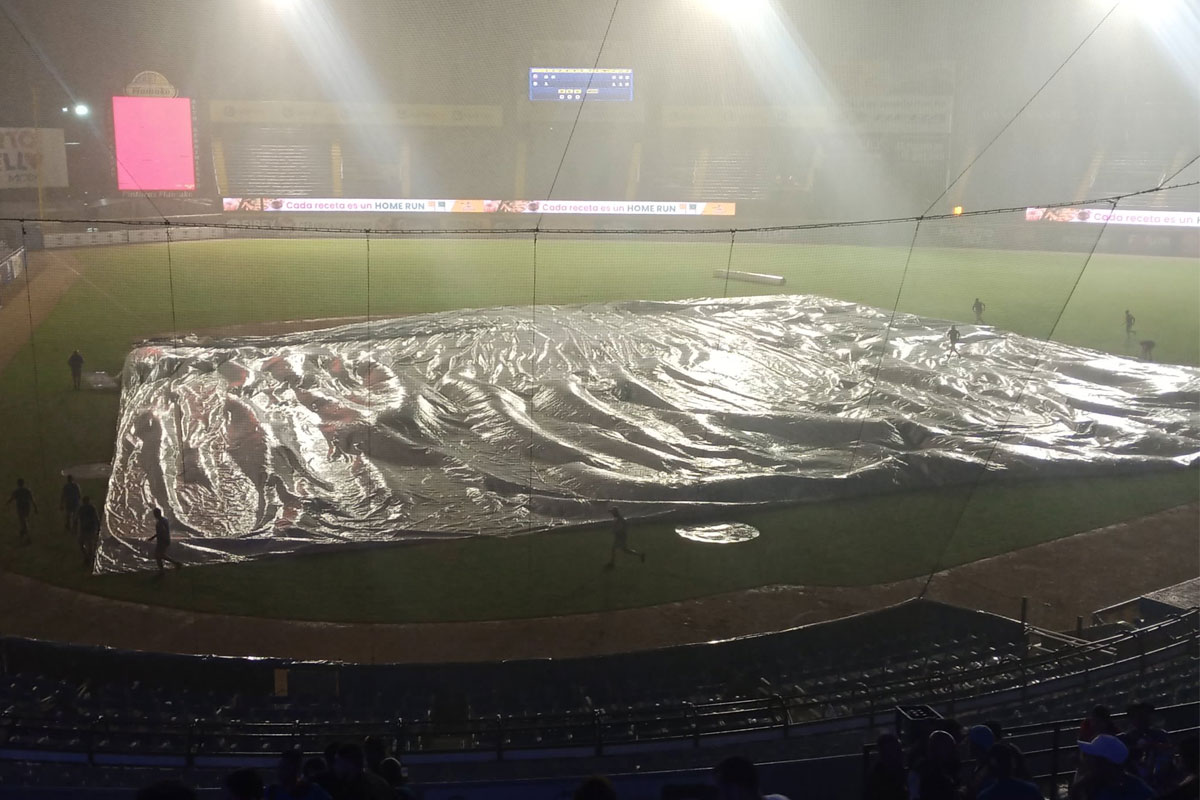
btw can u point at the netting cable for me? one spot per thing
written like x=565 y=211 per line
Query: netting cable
x=1022 y=109
x=370 y=352
x=533 y=368
x=418 y=232
x=887 y=336
x=171 y=288
x=729 y=262
x=579 y=110
x=1004 y=427
x=37 y=385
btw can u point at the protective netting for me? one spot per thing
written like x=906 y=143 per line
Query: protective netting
x=765 y=247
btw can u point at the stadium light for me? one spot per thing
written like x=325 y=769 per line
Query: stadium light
x=81 y=110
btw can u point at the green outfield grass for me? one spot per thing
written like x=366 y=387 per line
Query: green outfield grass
x=128 y=293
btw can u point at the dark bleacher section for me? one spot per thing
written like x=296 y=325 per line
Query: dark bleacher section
x=810 y=692
x=278 y=162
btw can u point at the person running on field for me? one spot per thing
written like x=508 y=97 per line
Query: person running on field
x=89 y=531
x=978 y=308
x=68 y=502
x=621 y=540
x=75 y=362
x=1147 y=349
x=1129 y=320
x=162 y=540
x=25 y=503
x=954 y=336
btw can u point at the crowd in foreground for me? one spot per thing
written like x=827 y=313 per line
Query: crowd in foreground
x=1139 y=762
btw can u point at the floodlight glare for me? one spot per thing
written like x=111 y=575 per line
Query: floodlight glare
x=81 y=110
x=739 y=11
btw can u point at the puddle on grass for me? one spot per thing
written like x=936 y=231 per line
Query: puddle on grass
x=719 y=533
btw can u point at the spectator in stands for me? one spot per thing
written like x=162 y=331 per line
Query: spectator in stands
x=292 y=783
x=25 y=503
x=980 y=739
x=89 y=531
x=75 y=362
x=1102 y=774
x=1149 y=747
x=1003 y=761
x=244 y=784
x=1186 y=787
x=354 y=781
x=316 y=771
x=392 y=771
x=736 y=778
x=1021 y=770
x=888 y=779
x=1099 y=720
x=595 y=788
x=68 y=503
x=374 y=751
x=166 y=790
x=936 y=776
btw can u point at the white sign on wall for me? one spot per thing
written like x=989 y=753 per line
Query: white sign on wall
x=32 y=157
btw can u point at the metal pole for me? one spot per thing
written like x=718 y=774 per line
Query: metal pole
x=37 y=133
x=1024 y=610
x=1054 y=762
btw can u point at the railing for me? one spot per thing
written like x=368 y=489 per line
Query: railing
x=12 y=266
x=600 y=731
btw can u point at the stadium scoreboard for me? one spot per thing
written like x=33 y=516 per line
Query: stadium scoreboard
x=574 y=85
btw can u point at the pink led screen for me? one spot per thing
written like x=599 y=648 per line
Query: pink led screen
x=154 y=144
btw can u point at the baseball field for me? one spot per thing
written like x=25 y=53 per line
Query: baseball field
x=104 y=300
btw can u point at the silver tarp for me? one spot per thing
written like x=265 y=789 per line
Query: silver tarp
x=509 y=420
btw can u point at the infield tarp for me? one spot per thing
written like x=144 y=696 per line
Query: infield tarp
x=504 y=421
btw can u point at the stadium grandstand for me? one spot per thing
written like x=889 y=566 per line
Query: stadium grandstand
x=642 y=399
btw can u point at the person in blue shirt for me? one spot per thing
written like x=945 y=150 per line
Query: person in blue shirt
x=1102 y=774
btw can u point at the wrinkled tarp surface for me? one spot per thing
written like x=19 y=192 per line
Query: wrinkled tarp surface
x=509 y=420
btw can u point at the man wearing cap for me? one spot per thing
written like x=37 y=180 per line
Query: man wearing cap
x=979 y=741
x=1102 y=774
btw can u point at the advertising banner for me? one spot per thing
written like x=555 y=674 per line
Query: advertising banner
x=450 y=206
x=277 y=112
x=27 y=152
x=1122 y=216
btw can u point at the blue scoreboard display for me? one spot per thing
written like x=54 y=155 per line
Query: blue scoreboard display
x=574 y=85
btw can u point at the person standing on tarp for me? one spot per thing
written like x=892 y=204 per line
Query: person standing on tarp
x=162 y=541
x=75 y=362
x=954 y=336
